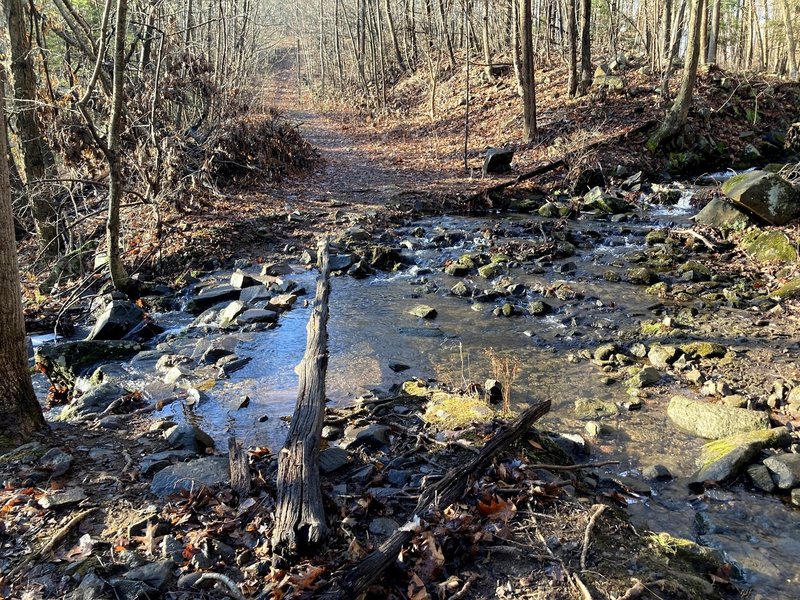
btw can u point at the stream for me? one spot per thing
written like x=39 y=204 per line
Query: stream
x=370 y=329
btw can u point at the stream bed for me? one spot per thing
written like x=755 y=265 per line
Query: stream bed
x=373 y=337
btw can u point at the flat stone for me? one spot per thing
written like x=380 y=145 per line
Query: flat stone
x=192 y=475
x=67 y=497
x=159 y=460
x=240 y=280
x=333 y=458
x=116 y=320
x=369 y=435
x=56 y=461
x=398 y=477
x=230 y=312
x=631 y=484
x=188 y=437
x=210 y=296
x=586 y=408
x=257 y=315
x=282 y=301
x=785 y=470
x=253 y=294
x=155 y=574
x=96 y=400
x=423 y=311
x=713 y=421
x=340 y=262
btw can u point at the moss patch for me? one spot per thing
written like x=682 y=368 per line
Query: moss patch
x=454 y=411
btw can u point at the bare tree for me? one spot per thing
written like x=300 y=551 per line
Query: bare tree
x=20 y=412
x=586 y=47
x=527 y=78
x=790 y=41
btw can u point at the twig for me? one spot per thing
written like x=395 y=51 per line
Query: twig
x=585 y=593
x=634 y=592
x=597 y=510
x=233 y=590
x=465 y=588
x=697 y=236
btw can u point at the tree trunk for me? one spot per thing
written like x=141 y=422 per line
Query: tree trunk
x=527 y=79
x=586 y=47
x=572 y=35
x=20 y=412
x=790 y=42
x=677 y=115
x=119 y=278
x=487 y=52
x=666 y=30
x=713 y=33
x=704 y=35
x=393 y=34
x=38 y=158
x=299 y=514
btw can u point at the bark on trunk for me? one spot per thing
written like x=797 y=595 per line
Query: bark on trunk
x=677 y=115
x=572 y=35
x=790 y=41
x=20 y=412
x=527 y=79
x=586 y=47
x=299 y=514
x=37 y=156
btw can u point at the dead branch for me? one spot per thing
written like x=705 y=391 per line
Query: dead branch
x=597 y=510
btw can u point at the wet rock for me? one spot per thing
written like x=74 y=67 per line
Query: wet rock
x=631 y=484
x=423 y=311
x=641 y=276
x=612 y=276
x=460 y=289
x=282 y=302
x=56 y=461
x=383 y=526
x=497 y=160
x=725 y=458
x=276 y=269
x=549 y=210
x=95 y=400
x=241 y=280
x=230 y=312
x=713 y=421
x=252 y=295
x=704 y=350
x=772 y=246
x=597 y=199
x=490 y=271
x=207 y=471
x=340 y=262
x=188 y=437
x=761 y=478
x=257 y=315
x=657 y=472
x=144 y=331
x=586 y=408
x=333 y=458
x=64 y=362
x=210 y=296
x=785 y=470
x=423 y=332
x=539 y=308
x=662 y=356
x=68 y=497
x=360 y=270
x=605 y=352
x=155 y=574
x=119 y=317
x=645 y=377
x=767 y=195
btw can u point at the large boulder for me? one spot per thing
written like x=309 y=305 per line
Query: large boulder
x=498 y=160
x=724 y=459
x=64 y=362
x=766 y=195
x=119 y=317
x=713 y=421
x=722 y=214
x=771 y=246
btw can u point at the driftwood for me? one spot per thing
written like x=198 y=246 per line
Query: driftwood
x=554 y=164
x=299 y=514
x=350 y=583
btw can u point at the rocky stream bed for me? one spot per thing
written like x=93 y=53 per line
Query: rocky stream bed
x=650 y=339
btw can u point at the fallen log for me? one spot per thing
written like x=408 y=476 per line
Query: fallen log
x=353 y=581
x=299 y=514
x=554 y=164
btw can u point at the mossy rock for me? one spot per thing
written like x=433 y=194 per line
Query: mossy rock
x=64 y=362
x=768 y=195
x=656 y=329
x=772 y=247
x=490 y=271
x=586 y=408
x=641 y=275
x=415 y=387
x=500 y=259
x=724 y=459
x=704 y=350
x=700 y=558
x=455 y=411
x=787 y=291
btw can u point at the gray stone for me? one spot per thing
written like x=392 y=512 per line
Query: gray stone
x=56 y=461
x=645 y=377
x=383 y=526
x=662 y=356
x=333 y=458
x=159 y=460
x=340 y=262
x=369 y=435
x=724 y=459
x=721 y=214
x=398 y=477
x=230 y=312
x=282 y=302
x=188 y=437
x=460 y=289
x=155 y=574
x=767 y=195
x=68 y=497
x=631 y=484
x=257 y=315
x=240 y=280
x=276 y=269
x=330 y=433
x=192 y=475
x=571 y=444
x=253 y=294
x=497 y=160
x=760 y=478
x=713 y=421
x=171 y=549
x=116 y=320
x=785 y=470
x=95 y=400
x=210 y=296
x=110 y=422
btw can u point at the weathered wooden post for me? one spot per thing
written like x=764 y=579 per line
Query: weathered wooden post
x=299 y=515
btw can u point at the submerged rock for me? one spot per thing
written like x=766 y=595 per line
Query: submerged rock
x=713 y=421
x=586 y=408
x=725 y=458
x=767 y=195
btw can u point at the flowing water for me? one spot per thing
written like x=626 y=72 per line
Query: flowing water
x=370 y=327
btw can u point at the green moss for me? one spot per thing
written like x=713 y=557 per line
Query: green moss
x=787 y=291
x=771 y=246
x=765 y=438
x=704 y=350
x=415 y=387
x=455 y=411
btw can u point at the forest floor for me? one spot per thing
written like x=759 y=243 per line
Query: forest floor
x=375 y=175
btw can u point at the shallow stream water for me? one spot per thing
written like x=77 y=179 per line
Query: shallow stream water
x=370 y=327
